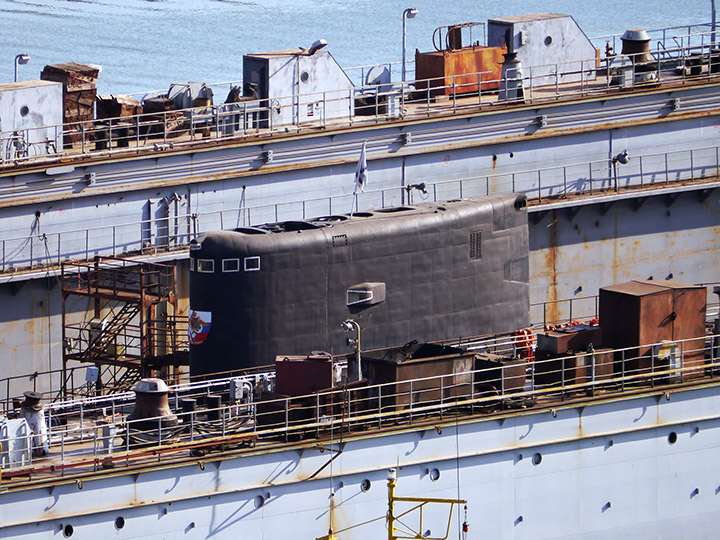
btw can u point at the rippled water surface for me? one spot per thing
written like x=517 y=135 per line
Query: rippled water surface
x=147 y=44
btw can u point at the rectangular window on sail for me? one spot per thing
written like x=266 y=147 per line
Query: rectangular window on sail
x=206 y=266
x=231 y=265
x=252 y=264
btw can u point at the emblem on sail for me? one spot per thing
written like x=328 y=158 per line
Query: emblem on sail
x=199 y=326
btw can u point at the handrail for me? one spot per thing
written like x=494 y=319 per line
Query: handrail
x=45 y=250
x=272 y=418
x=160 y=131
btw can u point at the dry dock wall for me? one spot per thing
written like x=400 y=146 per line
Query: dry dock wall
x=154 y=202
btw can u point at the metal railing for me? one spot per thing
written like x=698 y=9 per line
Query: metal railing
x=163 y=130
x=94 y=433
x=147 y=237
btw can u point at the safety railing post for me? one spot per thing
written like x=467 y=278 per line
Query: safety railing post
x=642 y=180
x=539 y=186
x=379 y=406
x=410 y=401
x=442 y=394
x=317 y=414
x=287 y=418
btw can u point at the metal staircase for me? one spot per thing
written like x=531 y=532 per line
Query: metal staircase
x=105 y=340
x=131 y=321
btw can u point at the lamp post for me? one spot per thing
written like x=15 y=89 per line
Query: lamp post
x=409 y=13
x=622 y=158
x=349 y=325
x=20 y=59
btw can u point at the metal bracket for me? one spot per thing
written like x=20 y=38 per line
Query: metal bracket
x=537 y=217
x=704 y=194
x=637 y=203
x=670 y=199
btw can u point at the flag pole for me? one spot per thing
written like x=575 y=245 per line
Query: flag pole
x=360 y=179
x=353 y=205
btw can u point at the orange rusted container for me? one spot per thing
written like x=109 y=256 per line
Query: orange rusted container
x=440 y=69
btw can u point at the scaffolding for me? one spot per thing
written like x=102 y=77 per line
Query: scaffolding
x=130 y=326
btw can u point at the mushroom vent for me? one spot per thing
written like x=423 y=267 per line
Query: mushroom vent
x=152 y=410
x=636 y=44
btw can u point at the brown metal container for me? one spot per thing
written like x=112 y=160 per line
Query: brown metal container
x=572 y=338
x=276 y=410
x=604 y=364
x=302 y=375
x=400 y=364
x=642 y=313
x=505 y=374
x=570 y=369
x=461 y=67
x=563 y=370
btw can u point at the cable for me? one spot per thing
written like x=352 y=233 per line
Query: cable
x=461 y=530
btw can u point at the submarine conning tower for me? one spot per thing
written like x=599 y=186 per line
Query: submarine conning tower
x=424 y=272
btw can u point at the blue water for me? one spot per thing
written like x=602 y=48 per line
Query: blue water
x=147 y=44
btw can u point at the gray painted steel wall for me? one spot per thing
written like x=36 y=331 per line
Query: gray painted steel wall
x=606 y=469
x=543 y=40
x=26 y=109
x=295 y=84
x=231 y=178
x=612 y=243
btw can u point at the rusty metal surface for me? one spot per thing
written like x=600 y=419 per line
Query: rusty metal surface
x=458 y=71
x=302 y=375
x=573 y=338
x=650 y=312
x=453 y=366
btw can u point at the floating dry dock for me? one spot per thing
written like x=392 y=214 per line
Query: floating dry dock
x=614 y=445
x=616 y=150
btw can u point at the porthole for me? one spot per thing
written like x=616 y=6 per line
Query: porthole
x=548 y=41
x=68 y=531
x=259 y=501
x=537 y=458
x=304 y=76
x=119 y=522
x=24 y=110
x=672 y=438
x=434 y=475
x=365 y=485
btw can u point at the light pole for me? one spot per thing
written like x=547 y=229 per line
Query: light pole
x=409 y=13
x=20 y=59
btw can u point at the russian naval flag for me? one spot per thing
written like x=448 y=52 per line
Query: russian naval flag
x=361 y=171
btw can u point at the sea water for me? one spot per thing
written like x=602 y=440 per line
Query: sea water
x=145 y=45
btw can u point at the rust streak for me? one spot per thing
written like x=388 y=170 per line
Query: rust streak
x=551 y=265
